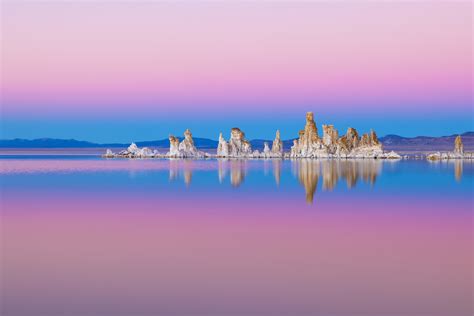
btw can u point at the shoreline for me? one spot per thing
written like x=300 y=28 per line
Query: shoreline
x=93 y=152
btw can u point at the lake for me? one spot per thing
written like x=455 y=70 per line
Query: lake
x=81 y=235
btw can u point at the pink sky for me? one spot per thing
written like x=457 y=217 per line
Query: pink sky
x=99 y=58
x=180 y=52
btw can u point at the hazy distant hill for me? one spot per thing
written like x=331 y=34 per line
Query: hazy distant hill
x=72 y=143
x=46 y=143
x=202 y=143
x=426 y=143
x=390 y=142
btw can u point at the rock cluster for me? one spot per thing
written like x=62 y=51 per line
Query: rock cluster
x=275 y=152
x=132 y=152
x=174 y=146
x=457 y=153
x=310 y=145
x=183 y=149
x=239 y=147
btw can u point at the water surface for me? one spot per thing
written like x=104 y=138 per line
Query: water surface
x=88 y=236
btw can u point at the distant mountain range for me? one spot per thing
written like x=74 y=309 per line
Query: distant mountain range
x=426 y=143
x=73 y=143
x=390 y=142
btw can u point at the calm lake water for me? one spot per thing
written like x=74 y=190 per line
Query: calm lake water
x=88 y=236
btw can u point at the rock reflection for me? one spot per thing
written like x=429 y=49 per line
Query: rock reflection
x=308 y=173
x=330 y=174
x=179 y=165
x=277 y=170
x=222 y=168
x=458 y=165
x=458 y=170
x=174 y=169
x=237 y=168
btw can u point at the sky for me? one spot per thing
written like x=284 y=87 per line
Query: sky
x=110 y=71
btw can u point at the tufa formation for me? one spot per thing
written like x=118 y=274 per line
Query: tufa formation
x=310 y=145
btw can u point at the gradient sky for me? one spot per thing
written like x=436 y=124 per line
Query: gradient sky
x=128 y=71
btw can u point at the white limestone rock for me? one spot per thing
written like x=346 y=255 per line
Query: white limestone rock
x=266 y=150
x=174 y=147
x=185 y=148
x=222 y=147
x=256 y=154
x=392 y=155
x=146 y=152
x=237 y=147
x=133 y=149
x=108 y=154
x=277 y=146
x=187 y=145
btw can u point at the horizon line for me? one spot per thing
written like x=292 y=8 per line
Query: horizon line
x=197 y=137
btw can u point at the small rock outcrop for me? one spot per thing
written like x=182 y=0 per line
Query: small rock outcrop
x=457 y=153
x=222 y=147
x=330 y=135
x=185 y=148
x=277 y=146
x=458 y=146
x=237 y=147
x=132 y=152
x=108 y=154
x=310 y=145
x=174 y=146
x=266 y=149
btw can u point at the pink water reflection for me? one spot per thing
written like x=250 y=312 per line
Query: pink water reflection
x=75 y=256
x=11 y=166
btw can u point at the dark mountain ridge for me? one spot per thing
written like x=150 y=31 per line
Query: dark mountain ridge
x=390 y=142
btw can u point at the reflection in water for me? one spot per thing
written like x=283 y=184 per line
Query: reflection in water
x=403 y=248
x=266 y=166
x=277 y=170
x=308 y=175
x=178 y=165
x=330 y=175
x=184 y=168
x=458 y=169
x=308 y=172
x=174 y=169
x=222 y=169
x=237 y=171
x=458 y=166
